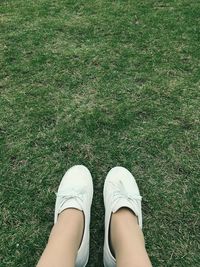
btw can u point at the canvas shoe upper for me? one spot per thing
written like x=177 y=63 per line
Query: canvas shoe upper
x=76 y=191
x=120 y=190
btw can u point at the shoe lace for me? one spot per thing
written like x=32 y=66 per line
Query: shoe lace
x=70 y=194
x=120 y=192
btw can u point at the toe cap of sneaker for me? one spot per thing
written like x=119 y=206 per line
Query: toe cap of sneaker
x=77 y=175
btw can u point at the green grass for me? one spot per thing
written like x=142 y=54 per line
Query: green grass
x=100 y=83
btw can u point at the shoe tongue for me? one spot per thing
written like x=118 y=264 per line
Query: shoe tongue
x=71 y=203
x=120 y=203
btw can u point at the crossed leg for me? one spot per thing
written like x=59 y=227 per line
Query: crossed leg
x=127 y=241
x=64 y=240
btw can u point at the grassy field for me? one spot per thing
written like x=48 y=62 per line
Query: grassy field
x=100 y=83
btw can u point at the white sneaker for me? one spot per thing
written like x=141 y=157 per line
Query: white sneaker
x=120 y=190
x=76 y=191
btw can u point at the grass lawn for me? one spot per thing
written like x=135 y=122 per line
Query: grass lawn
x=100 y=83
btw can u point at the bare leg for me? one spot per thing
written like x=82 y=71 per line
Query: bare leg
x=127 y=240
x=64 y=240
